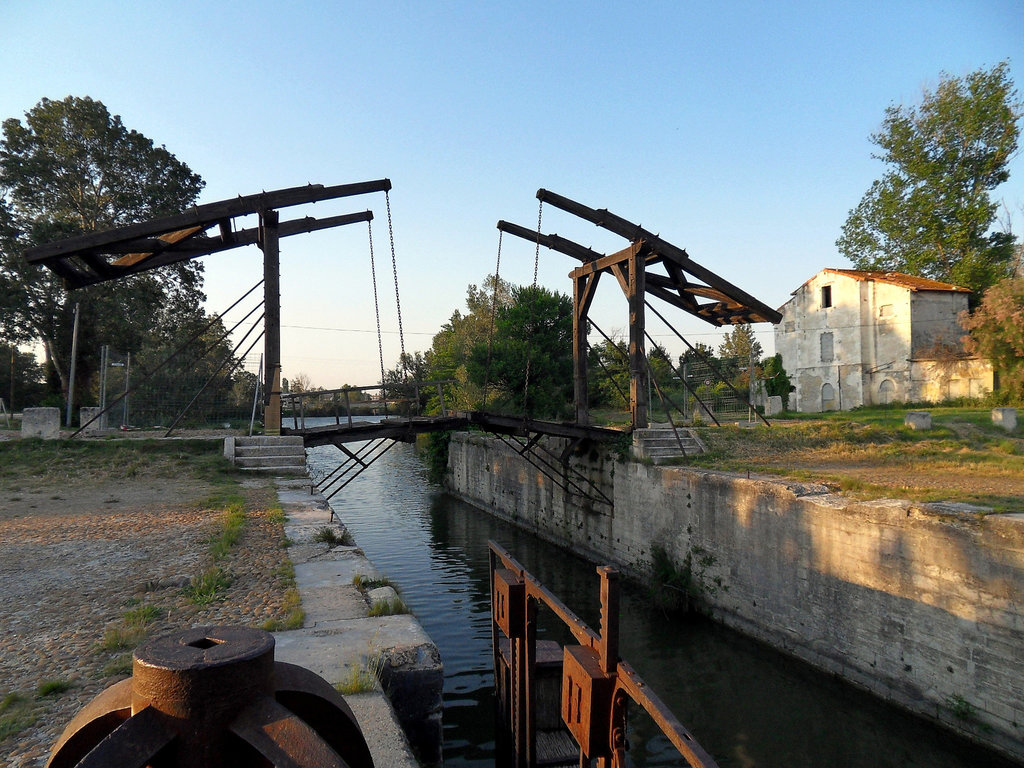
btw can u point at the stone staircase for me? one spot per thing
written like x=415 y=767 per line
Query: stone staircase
x=276 y=455
x=658 y=443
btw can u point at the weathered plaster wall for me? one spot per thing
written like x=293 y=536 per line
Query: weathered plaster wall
x=921 y=605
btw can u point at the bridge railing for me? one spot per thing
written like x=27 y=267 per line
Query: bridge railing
x=595 y=683
x=341 y=405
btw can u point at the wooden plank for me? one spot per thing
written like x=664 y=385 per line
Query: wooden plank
x=168 y=238
x=634 y=232
x=553 y=242
x=203 y=215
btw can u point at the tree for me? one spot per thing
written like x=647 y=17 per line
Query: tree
x=529 y=359
x=930 y=214
x=454 y=343
x=72 y=168
x=741 y=344
x=776 y=380
x=21 y=378
x=997 y=332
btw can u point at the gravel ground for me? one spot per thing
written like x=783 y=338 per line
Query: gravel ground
x=69 y=580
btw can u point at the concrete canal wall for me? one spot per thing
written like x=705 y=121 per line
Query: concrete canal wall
x=921 y=604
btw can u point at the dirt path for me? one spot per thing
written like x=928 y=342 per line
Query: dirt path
x=79 y=561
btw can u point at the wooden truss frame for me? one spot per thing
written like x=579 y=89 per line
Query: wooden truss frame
x=683 y=283
x=113 y=254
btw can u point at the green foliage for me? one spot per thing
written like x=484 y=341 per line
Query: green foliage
x=52 y=688
x=997 y=333
x=332 y=538
x=391 y=607
x=208 y=586
x=27 y=381
x=16 y=714
x=138 y=618
x=362 y=678
x=452 y=346
x=435 y=453
x=776 y=380
x=930 y=213
x=741 y=344
x=71 y=168
x=682 y=586
x=230 y=531
x=529 y=360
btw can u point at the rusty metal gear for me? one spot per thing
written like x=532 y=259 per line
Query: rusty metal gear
x=214 y=696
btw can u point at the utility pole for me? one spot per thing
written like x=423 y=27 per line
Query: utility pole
x=74 y=365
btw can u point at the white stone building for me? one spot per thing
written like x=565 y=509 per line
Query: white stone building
x=852 y=337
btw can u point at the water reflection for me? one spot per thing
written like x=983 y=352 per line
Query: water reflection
x=749 y=706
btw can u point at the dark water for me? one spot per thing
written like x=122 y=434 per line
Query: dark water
x=749 y=706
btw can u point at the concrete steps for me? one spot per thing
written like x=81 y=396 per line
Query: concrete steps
x=277 y=455
x=659 y=444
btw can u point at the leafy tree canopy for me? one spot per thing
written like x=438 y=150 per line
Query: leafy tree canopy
x=71 y=167
x=740 y=343
x=931 y=213
x=997 y=332
x=530 y=355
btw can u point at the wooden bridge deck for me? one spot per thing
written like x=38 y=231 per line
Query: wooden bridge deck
x=405 y=428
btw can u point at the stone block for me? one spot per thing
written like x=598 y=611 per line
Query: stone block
x=41 y=422
x=1005 y=418
x=85 y=416
x=918 y=420
x=774 y=405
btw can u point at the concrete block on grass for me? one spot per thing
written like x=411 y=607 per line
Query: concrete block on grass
x=918 y=420
x=1005 y=418
x=41 y=422
x=85 y=416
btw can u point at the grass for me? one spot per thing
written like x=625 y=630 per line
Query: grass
x=119 y=666
x=391 y=607
x=365 y=583
x=362 y=678
x=329 y=536
x=869 y=453
x=48 y=462
x=16 y=714
x=209 y=586
x=138 y=618
x=52 y=688
x=231 y=530
x=121 y=638
x=296 y=617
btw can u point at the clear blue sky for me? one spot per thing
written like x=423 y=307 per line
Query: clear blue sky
x=738 y=131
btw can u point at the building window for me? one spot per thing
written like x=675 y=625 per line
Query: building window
x=827 y=352
x=826 y=296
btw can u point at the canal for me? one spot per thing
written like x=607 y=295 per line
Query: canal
x=748 y=705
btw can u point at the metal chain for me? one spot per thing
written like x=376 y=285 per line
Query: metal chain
x=376 y=307
x=529 y=349
x=536 y=252
x=394 y=270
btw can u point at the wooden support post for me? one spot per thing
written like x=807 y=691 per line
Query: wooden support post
x=272 y=321
x=584 y=286
x=579 y=351
x=637 y=358
x=609 y=619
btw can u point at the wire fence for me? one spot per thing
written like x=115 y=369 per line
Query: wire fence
x=192 y=392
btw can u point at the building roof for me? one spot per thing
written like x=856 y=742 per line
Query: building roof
x=910 y=282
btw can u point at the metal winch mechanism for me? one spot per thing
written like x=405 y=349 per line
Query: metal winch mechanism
x=214 y=696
